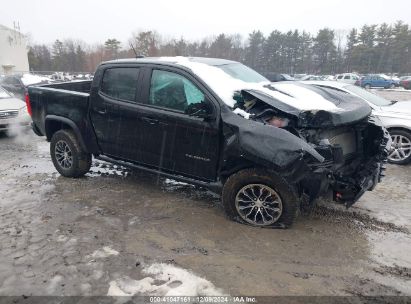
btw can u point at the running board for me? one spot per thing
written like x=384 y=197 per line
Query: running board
x=215 y=187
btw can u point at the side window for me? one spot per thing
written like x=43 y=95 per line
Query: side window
x=173 y=91
x=347 y=77
x=339 y=77
x=120 y=83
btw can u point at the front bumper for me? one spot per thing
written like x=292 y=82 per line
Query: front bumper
x=369 y=172
x=348 y=179
x=15 y=123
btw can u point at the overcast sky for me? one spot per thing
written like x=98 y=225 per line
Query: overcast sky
x=95 y=21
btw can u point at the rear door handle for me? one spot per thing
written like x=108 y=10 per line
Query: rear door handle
x=102 y=112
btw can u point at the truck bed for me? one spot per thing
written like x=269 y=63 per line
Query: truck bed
x=68 y=100
x=76 y=86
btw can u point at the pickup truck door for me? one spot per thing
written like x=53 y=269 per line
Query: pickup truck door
x=118 y=91
x=175 y=141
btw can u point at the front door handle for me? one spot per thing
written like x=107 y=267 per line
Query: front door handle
x=102 y=112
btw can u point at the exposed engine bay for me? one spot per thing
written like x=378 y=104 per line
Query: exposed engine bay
x=352 y=153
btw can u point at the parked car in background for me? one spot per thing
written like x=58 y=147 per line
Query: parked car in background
x=405 y=82
x=274 y=77
x=311 y=77
x=347 y=78
x=298 y=76
x=217 y=123
x=376 y=81
x=13 y=112
x=17 y=84
x=392 y=77
x=395 y=115
x=327 y=77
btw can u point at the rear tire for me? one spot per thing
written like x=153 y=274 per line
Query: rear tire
x=69 y=159
x=367 y=86
x=392 y=86
x=260 y=197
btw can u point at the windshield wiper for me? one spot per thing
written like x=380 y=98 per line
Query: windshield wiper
x=393 y=102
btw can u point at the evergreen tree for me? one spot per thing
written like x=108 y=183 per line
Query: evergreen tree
x=112 y=48
x=324 y=51
x=254 y=52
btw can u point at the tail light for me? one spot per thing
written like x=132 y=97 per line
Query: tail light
x=28 y=105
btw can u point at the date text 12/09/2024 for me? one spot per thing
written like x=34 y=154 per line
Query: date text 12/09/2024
x=199 y=299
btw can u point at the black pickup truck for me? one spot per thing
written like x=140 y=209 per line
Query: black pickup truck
x=269 y=149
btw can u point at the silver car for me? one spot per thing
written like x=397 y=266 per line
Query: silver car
x=395 y=115
x=13 y=112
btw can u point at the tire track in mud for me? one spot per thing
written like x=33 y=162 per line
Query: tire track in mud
x=402 y=272
x=359 y=220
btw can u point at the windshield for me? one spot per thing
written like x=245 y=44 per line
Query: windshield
x=242 y=72
x=4 y=93
x=370 y=97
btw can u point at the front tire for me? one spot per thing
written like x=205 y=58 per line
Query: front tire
x=69 y=159
x=367 y=86
x=260 y=197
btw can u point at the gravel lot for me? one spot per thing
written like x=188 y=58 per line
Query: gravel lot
x=398 y=94
x=100 y=234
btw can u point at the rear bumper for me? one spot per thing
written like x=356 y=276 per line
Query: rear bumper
x=36 y=130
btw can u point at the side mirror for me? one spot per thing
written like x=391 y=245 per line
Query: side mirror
x=200 y=110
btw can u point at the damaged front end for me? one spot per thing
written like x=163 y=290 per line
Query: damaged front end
x=319 y=152
x=355 y=158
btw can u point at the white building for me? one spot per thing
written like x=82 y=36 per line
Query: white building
x=13 y=51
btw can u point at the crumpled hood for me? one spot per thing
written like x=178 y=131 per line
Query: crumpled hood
x=11 y=104
x=313 y=106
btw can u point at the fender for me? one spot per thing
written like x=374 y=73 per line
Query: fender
x=70 y=123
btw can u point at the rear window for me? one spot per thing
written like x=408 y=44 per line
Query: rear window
x=120 y=83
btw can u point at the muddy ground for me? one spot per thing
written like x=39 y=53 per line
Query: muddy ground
x=61 y=236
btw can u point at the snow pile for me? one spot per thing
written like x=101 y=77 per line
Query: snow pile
x=29 y=79
x=103 y=253
x=165 y=280
x=225 y=85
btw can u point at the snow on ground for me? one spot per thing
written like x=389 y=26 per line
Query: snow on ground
x=164 y=280
x=29 y=79
x=103 y=253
